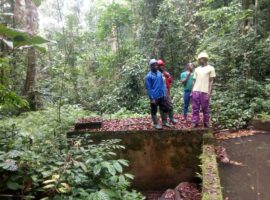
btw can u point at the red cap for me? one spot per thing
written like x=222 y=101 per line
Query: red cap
x=161 y=62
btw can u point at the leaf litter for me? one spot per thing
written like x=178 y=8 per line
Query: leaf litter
x=129 y=124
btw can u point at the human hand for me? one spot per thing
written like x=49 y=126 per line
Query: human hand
x=153 y=101
x=208 y=97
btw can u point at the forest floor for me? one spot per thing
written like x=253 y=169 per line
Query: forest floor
x=127 y=124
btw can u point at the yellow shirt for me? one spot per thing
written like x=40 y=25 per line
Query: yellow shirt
x=202 y=76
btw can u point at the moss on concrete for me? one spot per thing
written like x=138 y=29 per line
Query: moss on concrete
x=135 y=144
x=161 y=133
x=211 y=187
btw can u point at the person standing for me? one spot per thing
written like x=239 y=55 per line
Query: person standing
x=186 y=78
x=202 y=88
x=156 y=91
x=168 y=79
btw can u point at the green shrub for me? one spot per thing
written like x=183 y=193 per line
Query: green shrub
x=77 y=172
x=228 y=111
x=37 y=160
x=178 y=97
x=142 y=106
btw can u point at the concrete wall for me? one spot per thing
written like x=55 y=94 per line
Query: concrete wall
x=158 y=159
x=260 y=124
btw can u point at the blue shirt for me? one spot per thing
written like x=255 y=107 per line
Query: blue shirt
x=155 y=85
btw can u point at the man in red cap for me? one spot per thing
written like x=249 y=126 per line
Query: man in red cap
x=168 y=81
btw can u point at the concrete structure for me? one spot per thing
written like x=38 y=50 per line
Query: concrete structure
x=158 y=159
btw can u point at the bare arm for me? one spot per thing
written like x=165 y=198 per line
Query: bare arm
x=186 y=79
x=211 y=80
x=193 y=83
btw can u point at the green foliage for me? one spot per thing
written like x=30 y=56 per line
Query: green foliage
x=176 y=33
x=106 y=67
x=132 y=87
x=78 y=172
x=36 y=159
x=20 y=38
x=114 y=18
x=101 y=63
x=230 y=111
x=129 y=91
x=37 y=2
x=263 y=116
x=10 y=102
x=223 y=20
x=142 y=105
x=44 y=122
x=241 y=64
x=100 y=59
x=235 y=107
x=177 y=93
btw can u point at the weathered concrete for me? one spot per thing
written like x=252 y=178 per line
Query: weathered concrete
x=250 y=181
x=158 y=159
x=260 y=124
x=87 y=125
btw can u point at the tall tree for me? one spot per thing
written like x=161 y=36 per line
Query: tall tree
x=26 y=16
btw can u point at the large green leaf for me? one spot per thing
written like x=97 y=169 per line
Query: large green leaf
x=118 y=167
x=20 y=38
x=13 y=185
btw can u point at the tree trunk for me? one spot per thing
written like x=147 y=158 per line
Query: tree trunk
x=256 y=16
x=29 y=86
x=31 y=23
x=2 y=72
x=114 y=40
x=245 y=5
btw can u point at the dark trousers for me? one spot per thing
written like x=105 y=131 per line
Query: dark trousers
x=168 y=102
x=161 y=103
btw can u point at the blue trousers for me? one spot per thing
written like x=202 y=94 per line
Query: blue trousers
x=187 y=98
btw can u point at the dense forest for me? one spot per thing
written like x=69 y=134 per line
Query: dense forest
x=65 y=59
